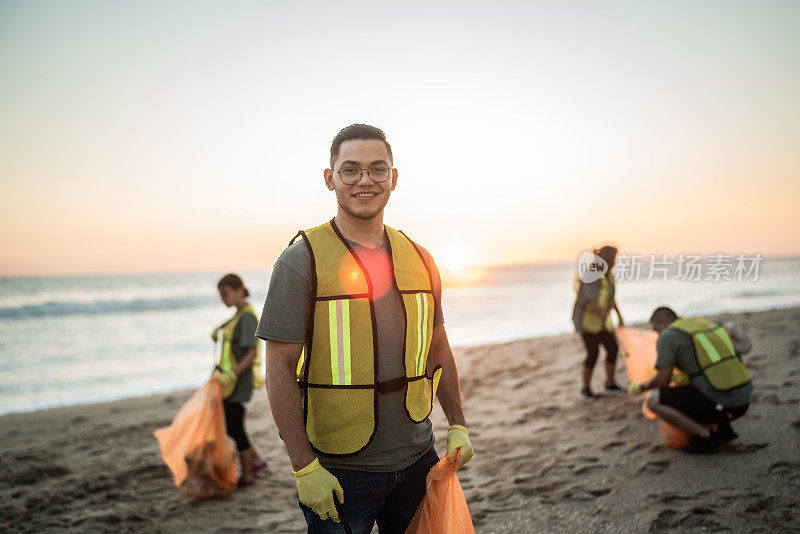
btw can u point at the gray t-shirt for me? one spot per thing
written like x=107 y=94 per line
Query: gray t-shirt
x=398 y=442
x=243 y=339
x=675 y=349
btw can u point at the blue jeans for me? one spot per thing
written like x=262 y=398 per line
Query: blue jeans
x=390 y=498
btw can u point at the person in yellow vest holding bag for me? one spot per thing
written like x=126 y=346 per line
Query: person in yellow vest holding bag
x=719 y=386
x=591 y=316
x=357 y=352
x=239 y=370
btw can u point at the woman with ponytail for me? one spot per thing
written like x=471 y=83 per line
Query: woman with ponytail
x=239 y=370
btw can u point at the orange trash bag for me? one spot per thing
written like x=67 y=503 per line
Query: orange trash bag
x=443 y=510
x=196 y=448
x=677 y=438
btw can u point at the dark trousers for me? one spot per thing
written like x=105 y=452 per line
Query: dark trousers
x=593 y=342
x=234 y=421
x=390 y=499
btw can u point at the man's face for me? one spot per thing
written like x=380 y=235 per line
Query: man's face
x=364 y=199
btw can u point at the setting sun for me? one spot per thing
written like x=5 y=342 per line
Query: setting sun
x=458 y=264
x=456 y=257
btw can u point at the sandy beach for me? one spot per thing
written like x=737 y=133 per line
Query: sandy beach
x=544 y=461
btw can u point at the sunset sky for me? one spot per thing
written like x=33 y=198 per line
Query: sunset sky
x=192 y=136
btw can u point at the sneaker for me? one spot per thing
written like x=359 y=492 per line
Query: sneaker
x=700 y=445
x=613 y=391
x=726 y=432
x=242 y=483
x=587 y=395
x=259 y=466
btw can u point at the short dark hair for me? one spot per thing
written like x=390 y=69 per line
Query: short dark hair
x=663 y=314
x=234 y=282
x=606 y=249
x=358 y=131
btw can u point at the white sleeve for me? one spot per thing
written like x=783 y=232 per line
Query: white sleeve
x=741 y=342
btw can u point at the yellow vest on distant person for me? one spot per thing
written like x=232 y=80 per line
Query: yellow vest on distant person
x=338 y=369
x=591 y=321
x=227 y=360
x=716 y=357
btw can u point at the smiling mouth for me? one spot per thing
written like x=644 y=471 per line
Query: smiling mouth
x=365 y=195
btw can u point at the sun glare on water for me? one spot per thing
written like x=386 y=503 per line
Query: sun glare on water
x=457 y=264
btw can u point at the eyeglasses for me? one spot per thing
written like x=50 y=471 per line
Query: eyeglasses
x=352 y=175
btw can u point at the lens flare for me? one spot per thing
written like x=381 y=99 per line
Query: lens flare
x=376 y=262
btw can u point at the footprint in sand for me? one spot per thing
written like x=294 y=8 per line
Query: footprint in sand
x=656 y=466
x=38 y=473
x=580 y=493
x=664 y=520
x=699 y=517
x=670 y=497
x=784 y=467
x=637 y=447
x=695 y=517
x=744 y=448
x=586 y=468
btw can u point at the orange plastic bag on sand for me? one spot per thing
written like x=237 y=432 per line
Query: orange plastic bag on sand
x=677 y=438
x=443 y=510
x=196 y=448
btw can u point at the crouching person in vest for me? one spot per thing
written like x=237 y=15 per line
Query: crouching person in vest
x=357 y=352
x=719 y=387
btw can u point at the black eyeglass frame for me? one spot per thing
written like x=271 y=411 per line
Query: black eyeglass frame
x=361 y=175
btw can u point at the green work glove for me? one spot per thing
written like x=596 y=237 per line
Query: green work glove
x=228 y=381
x=458 y=439
x=634 y=388
x=316 y=486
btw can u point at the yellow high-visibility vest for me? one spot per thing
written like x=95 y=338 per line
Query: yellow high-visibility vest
x=592 y=323
x=338 y=369
x=227 y=360
x=713 y=349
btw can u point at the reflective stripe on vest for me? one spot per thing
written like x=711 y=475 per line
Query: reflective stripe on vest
x=422 y=331
x=712 y=353
x=339 y=324
x=300 y=363
x=725 y=339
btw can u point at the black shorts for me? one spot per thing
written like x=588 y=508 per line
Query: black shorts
x=689 y=401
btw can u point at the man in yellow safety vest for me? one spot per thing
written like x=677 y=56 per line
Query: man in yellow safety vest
x=357 y=352
x=719 y=386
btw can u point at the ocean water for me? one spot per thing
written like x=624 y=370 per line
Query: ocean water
x=73 y=340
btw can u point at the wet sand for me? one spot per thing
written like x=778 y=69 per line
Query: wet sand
x=544 y=461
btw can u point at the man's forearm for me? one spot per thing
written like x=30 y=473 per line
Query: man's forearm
x=449 y=392
x=286 y=404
